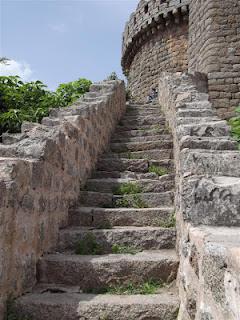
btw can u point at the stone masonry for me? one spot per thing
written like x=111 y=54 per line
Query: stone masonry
x=71 y=284
x=90 y=196
x=155 y=39
x=41 y=172
x=207 y=202
x=194 y=35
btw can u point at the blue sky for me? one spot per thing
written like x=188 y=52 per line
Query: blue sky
x=58 y=41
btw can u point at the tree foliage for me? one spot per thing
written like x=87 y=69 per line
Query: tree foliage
x=31 y=101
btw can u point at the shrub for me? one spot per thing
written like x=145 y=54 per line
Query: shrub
x=70 y=92
x=31 y=101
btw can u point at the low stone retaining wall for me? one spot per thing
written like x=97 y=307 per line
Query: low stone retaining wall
x=41 y=173
x=207 y=201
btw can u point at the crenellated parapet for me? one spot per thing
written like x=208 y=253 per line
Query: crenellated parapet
x=150 y=18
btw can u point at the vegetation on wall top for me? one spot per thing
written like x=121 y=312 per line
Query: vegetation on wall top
x=31 y=101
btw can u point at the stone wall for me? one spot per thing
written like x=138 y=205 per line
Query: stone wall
x=166 y=51
x=155 y=39
x=41 y=173
x=214 y=49
x=207 y=201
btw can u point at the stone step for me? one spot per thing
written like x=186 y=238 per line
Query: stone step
x=141 y=146
x=143 y=112
x=92 y=272
x=140 y=133
x=141 y=117
x=142 y=121
x=143 y=238
x=164 y=183
x=140 y=200
x=155 y=154
x=69 y=304
x=183 y=112
x=135 y=165
x=143 y=106
x=210 y=143
x=125 y=175
x=128 y=127
x=98 y=217
x=161 y=137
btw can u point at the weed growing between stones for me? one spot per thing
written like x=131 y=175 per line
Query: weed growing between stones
x=169 y=223
x=160 y=171
x=104 y=225
x=127 y=188
x=117 y=249
x=88 y=245
x=131 y=156
x=134 y=201
x=11 y=313
x=148 y=287
x=235 y=126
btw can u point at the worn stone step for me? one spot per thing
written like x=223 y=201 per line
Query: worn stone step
x=142 y=121
x=195 y=120
x=130 y=126
x=161 y=137
x=141 y=133
x=155 y=154
x=108 y=200
x=211 y=143
x=210 y=162
x=141 y=117
x=164 y=183
x=98 y=272
x=144 y=238
x=135 y=165
x=125 y=175
x=123 y=165
x=143 y=112
x=186 y=112
x=98 y=217
x=141 y=146
x=69 y=304
x=143 y=106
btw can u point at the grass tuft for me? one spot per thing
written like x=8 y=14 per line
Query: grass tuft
x=104 y=225
x=169 y=223
x=127 y=188
x=149 y=287
x=134 y=201
x=88 y=245
x=117 y=249
x=160 y=171
x=235 y=127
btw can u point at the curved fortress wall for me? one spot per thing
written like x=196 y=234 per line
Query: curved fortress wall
x=214 y=49
x=179 y=35
x=155 y=40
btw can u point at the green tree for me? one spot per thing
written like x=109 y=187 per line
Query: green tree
x=31 y=101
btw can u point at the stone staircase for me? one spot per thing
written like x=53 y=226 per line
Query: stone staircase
x=117 y=258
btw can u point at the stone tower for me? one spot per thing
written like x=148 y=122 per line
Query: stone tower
x=185 y=35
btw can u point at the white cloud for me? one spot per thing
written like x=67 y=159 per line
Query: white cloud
x=61 y=27
x=13 y=68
